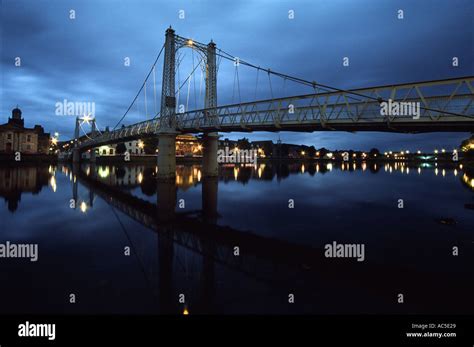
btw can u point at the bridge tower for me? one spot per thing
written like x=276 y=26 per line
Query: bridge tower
x=167 y=132
x=210 y=165
x=76 y=153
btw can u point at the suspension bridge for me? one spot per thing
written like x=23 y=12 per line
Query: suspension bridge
x=443 y=105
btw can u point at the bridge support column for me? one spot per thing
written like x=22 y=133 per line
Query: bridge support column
x=76 y=155
x=93 y=157
x=167 y=156
x=209 y=161
x=209 y=198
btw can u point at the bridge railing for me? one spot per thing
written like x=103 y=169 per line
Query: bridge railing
x=440 y=102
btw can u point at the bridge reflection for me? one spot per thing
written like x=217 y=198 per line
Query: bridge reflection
x=198 y=232
x=263 y=259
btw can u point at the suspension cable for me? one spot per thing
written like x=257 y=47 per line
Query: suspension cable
x=139 y=91
x=324 y=87
x=154 y=90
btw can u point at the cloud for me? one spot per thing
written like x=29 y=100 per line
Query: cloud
x=83 y=59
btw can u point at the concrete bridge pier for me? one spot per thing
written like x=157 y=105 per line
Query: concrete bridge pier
x=166 y=200
x=93 y=157
x=166 y=156
x=209 y=198
x=76 y=155
x=210 y=166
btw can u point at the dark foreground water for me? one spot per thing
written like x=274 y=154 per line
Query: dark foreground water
x=123 y=243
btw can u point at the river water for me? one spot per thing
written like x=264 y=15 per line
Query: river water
x=253 y=240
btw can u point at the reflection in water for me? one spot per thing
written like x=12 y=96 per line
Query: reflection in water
x=14 y=181
x=196 y=250
x=17 y=180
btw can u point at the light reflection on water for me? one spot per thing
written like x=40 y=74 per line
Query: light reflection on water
x=182 y=236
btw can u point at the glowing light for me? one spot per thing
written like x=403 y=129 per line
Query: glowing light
x=141 y=144
x=302 y=168
x=236 y=173
x=54 y=141
x=436 y=171
x=140 y=177
x=455 y=172
x=83 y=207
x=390 y=152
x=418 y=151
x=468 y=181
x=104 y=172
x=329 y=155
x=56 y=134
x=329 y=166
x=443 y=172
x=52 y=183
x=419 y=171
x=443 y=150
x=86 y=118
x=460 y=166
x=185 y=311
x=436 y=151
x=190 y=42
x=199 y=175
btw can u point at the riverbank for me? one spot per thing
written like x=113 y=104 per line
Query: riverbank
x=28 y=158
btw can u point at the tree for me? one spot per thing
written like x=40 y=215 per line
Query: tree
x=121 y=148
x=150 y=145
x=311 y=152
x=322 y=152
x=243 y=143
x=374 y=152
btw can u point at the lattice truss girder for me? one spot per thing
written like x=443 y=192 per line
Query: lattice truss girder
x=447 y=101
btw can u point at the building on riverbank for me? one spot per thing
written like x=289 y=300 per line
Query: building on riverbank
x=15 y=137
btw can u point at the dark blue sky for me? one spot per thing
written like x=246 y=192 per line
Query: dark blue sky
x=83 y=59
